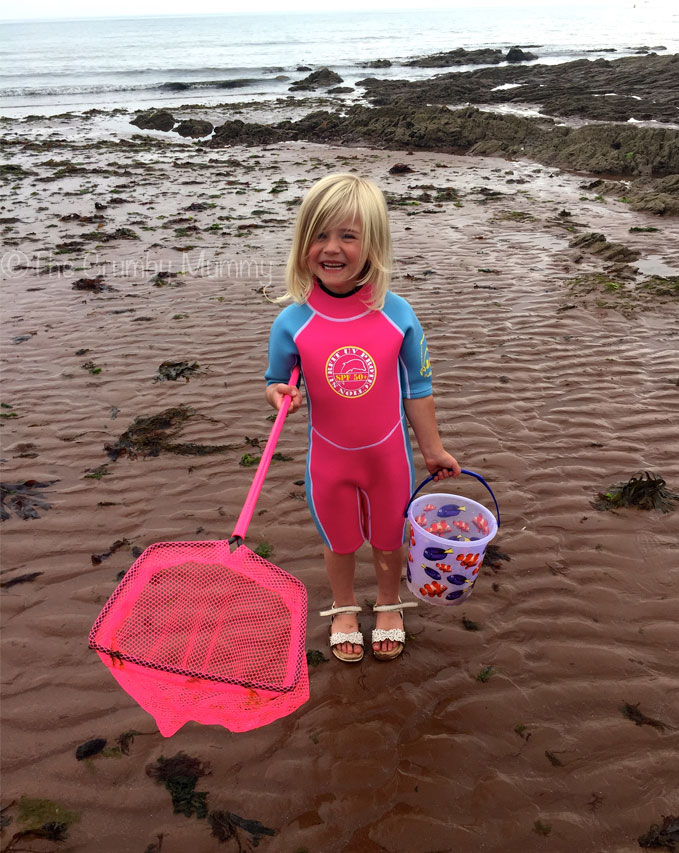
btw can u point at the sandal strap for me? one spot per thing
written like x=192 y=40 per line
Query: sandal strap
x=333 y=611
x=384 y=608
x=340 y=637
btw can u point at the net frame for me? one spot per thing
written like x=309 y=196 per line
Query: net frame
x=216 y=554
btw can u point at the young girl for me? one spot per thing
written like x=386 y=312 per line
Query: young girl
x=366 y=369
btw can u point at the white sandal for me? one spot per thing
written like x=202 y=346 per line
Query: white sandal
x=339 y=637
x=396 y=635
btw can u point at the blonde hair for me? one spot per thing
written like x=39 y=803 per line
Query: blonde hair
x=330 y=201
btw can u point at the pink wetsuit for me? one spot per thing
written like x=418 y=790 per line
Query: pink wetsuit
x=358 y=364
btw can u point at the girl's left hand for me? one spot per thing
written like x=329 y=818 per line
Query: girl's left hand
x=443 y=466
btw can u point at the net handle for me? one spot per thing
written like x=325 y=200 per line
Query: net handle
x=463 y=471
x=245 y=516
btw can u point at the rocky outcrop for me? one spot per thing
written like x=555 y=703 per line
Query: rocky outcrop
x=321 y=79
x=377 y=63
x=194 y=128
x=622 y=150
x=641 y=88
x=459 y=56
x=516 y=54
x=597 y=244
x=660 y=196
x=154 y=120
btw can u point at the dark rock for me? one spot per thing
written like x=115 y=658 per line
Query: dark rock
x=597 y=244
x=237 y=132
x=154 y=120
x=377 y=63
x=459 y=56
x=322 y=78
x=663 y=836
x=90 y=748
x=400 y=169
x=515 y=54
x=341 y=90
x=660 y=196
x=194 y=127
x=303 y=68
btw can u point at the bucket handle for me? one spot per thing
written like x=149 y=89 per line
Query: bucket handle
x=463 y=471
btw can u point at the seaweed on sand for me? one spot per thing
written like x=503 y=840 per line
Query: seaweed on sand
x=27 y=578
x=638 y=717
x=226 y=826
x=41 y=819
x=179 y=774
x=23 y=499
x=645 y=491
x=150 y=435
x=664 y=836
x=171 y=371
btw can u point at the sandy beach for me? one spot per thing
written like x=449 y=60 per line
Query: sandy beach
x=541 y=715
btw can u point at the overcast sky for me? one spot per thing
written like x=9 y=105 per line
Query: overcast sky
x=87 y=9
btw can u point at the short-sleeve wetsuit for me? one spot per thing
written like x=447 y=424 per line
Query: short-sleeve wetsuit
x=358 y=364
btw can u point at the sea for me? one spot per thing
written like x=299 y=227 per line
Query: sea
x=55 y=66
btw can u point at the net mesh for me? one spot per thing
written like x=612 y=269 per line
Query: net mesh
x=194 y=632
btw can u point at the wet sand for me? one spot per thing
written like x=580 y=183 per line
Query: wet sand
x=551 y=394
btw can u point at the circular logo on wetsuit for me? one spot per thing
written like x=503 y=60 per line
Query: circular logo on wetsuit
x=351 y=371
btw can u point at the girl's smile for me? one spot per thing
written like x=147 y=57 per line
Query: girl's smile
x=336 y=255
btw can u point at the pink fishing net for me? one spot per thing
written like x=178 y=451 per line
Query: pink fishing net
x=195 y=632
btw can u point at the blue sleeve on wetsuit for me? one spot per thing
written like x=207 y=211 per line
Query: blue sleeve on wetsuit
x=414 y=366
x=283 y=352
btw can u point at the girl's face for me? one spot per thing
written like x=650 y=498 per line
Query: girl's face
x=336 y=255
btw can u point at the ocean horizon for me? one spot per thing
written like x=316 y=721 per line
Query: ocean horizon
x=52 y=66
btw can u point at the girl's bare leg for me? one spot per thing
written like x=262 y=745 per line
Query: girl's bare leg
x=341 y=569
x=388 y=568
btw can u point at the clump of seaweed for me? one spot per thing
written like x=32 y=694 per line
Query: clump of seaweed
x=485 y=674
x=27 y=578
x=664 y=835
x=180 y=774
x=314 y=657
x=97 y=559
x=638 y=717
x=41 y=819
x=92 y=285
x=645 y=490
x=150 y=435
x=226 y=826
x=493 y=557
x=23 y=499
x=542 y=828
x=171 y=371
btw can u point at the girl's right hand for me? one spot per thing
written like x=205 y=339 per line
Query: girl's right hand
x=275 y=394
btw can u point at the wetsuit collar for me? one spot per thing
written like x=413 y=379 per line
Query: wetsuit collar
x=338 y=295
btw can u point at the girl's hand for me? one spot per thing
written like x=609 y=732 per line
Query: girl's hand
x=275 y=394
x=443 y=465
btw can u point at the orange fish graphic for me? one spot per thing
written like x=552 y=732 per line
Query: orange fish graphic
x=433 y=589
x=481 y=524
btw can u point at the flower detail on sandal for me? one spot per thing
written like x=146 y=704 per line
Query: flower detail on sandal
x=396 y=635
x=339 y=637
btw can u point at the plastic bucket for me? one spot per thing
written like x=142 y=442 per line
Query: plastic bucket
x=448 y=538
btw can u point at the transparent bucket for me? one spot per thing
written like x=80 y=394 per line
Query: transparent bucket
x=447 y=542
